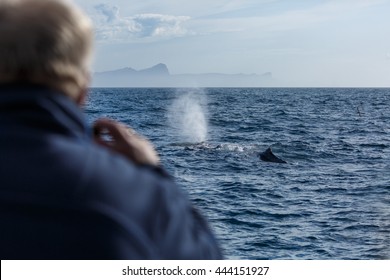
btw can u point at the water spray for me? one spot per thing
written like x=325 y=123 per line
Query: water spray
x=187 y=115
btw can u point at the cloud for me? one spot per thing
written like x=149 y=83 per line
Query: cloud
x=271 y=16
x=160 y=25
x=111 y=26
x=110 y=12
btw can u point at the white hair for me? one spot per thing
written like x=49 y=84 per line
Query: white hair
x=46 y=42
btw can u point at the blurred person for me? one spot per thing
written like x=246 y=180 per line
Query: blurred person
x=66 y=193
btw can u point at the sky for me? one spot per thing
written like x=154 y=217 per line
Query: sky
x=328 y=43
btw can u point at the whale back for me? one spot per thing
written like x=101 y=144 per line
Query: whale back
x=269 y=156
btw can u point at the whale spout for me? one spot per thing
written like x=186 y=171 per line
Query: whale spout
x=269 y=156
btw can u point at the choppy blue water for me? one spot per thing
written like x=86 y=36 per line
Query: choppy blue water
x=332 y=199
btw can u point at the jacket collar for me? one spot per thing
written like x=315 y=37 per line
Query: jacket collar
x=34 y=106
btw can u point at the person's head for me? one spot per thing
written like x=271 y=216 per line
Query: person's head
x=46 y=42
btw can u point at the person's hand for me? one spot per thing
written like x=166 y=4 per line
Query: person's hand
x=125 y=141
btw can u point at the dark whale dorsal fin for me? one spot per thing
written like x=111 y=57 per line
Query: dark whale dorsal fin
x=269 y=156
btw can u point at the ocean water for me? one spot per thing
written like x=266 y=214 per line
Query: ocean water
x=330 y=201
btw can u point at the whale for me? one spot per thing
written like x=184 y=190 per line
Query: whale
x=269 y=156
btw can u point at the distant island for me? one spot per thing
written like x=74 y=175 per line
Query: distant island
x=159 y=76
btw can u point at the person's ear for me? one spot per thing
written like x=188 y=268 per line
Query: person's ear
x=83 y=94
x=82 y=97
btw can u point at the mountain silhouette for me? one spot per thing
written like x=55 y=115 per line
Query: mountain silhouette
x=159 y=76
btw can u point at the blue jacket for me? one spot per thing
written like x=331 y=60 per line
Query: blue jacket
x=64 y=197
